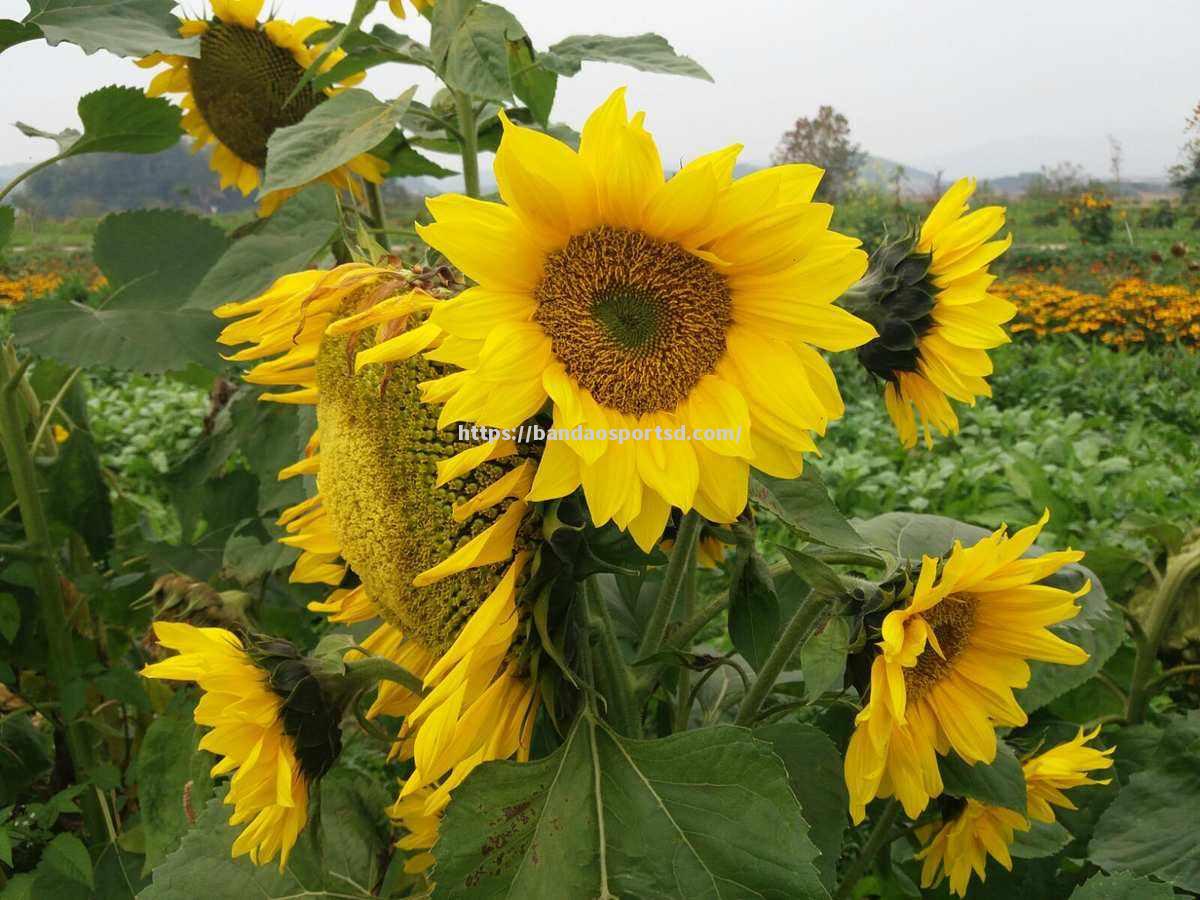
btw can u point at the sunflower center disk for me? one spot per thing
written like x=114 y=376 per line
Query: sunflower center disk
x=241 y=82
x=951 y=621
x=379 y=449
x=636 y=321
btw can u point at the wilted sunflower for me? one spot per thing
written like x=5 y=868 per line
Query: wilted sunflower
x=964 y=840
x=948 y=662
x=928 y=298
x=266 y=724
x=436 y=532
x=632 y=301
x=235 y=93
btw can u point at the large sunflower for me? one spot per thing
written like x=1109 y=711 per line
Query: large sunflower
x=962 y=842
x=948 y=662
x=928 y=297
x=436 y=533
x=634 y=302
x=235 y=93
x=245 y=703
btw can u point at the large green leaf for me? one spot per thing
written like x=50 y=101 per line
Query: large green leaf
x=815 y=773
x=331 y=135
x=470 y=43
x=534 y=85
x=168 y=765
x=999 y=784
x=645 y=52
x=804 y=505
x=1122 y=886
x=287 y=242
x=118 y=120
x=704 y=813
x=122 y=27
x=153 y=259
x=353 y=840
x=823 y=657
x=1150 y=829
x=368 y=49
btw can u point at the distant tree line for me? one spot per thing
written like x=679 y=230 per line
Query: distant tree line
x=100 y=183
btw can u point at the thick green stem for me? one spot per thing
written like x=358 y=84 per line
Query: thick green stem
x=879 y=838
x=681 y=556
x=683 y=691
x=61 y=658
x=378 y=213
x=8 y=188
x=794 y=634
x=1180 y=571
x=614 y=673
x=469 y=141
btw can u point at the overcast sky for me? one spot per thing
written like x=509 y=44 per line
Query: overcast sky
x=986 y=88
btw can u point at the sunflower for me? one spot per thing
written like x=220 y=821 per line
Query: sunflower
x=421 y=830
x=235 y=93
x=632 y=302
x=1061 y=768
x=948 y=662
x=963 y=842
x=430 y=535
x=927 y=295
x=268 y=744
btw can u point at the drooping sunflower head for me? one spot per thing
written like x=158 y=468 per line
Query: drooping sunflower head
x=927 y=296
x=239 y=91
x=270 y=722
x=686 y=310
x=1060 y=768
x=947 y=662
x=431 y=534
x=962 y=842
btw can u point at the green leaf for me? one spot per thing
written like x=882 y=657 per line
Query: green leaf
x=1041 y=840
x=1122 y=886
x=65 y=859
x=701 y=813
x=5 y=847
x=8 y=221
x=803 y=504
x=645 y=52
x=753 y=607
x=10 y=617
x=913 y=535
x=818 y=575
x=13 y=33
x=1150 y=829
x=368 y=49
x=286 y=242
x=352 y=842
x=335 y=132
x=124 y=120
x=403 y=160
x=154 y=260
x=122 y=27
x=470 y=43
x=823 y=657
x=999 y=784
x=533 y=85
x=814 y=768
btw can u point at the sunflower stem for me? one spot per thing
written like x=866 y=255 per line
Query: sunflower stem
x=469 y=141
x=8 y=188
x=794 y=634
x=681 y=554
x=1180 y=571
x=61 y=661
x=880 y=835
x=613 y=671
x=364 y=673
x=378 y=213
x=683 y=691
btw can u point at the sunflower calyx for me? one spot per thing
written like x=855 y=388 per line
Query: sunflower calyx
x=895 y=296
x=311 y=704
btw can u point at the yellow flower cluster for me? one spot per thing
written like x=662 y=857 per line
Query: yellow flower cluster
x=16 y=289
x=1133 y=312
x=1089 y=201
